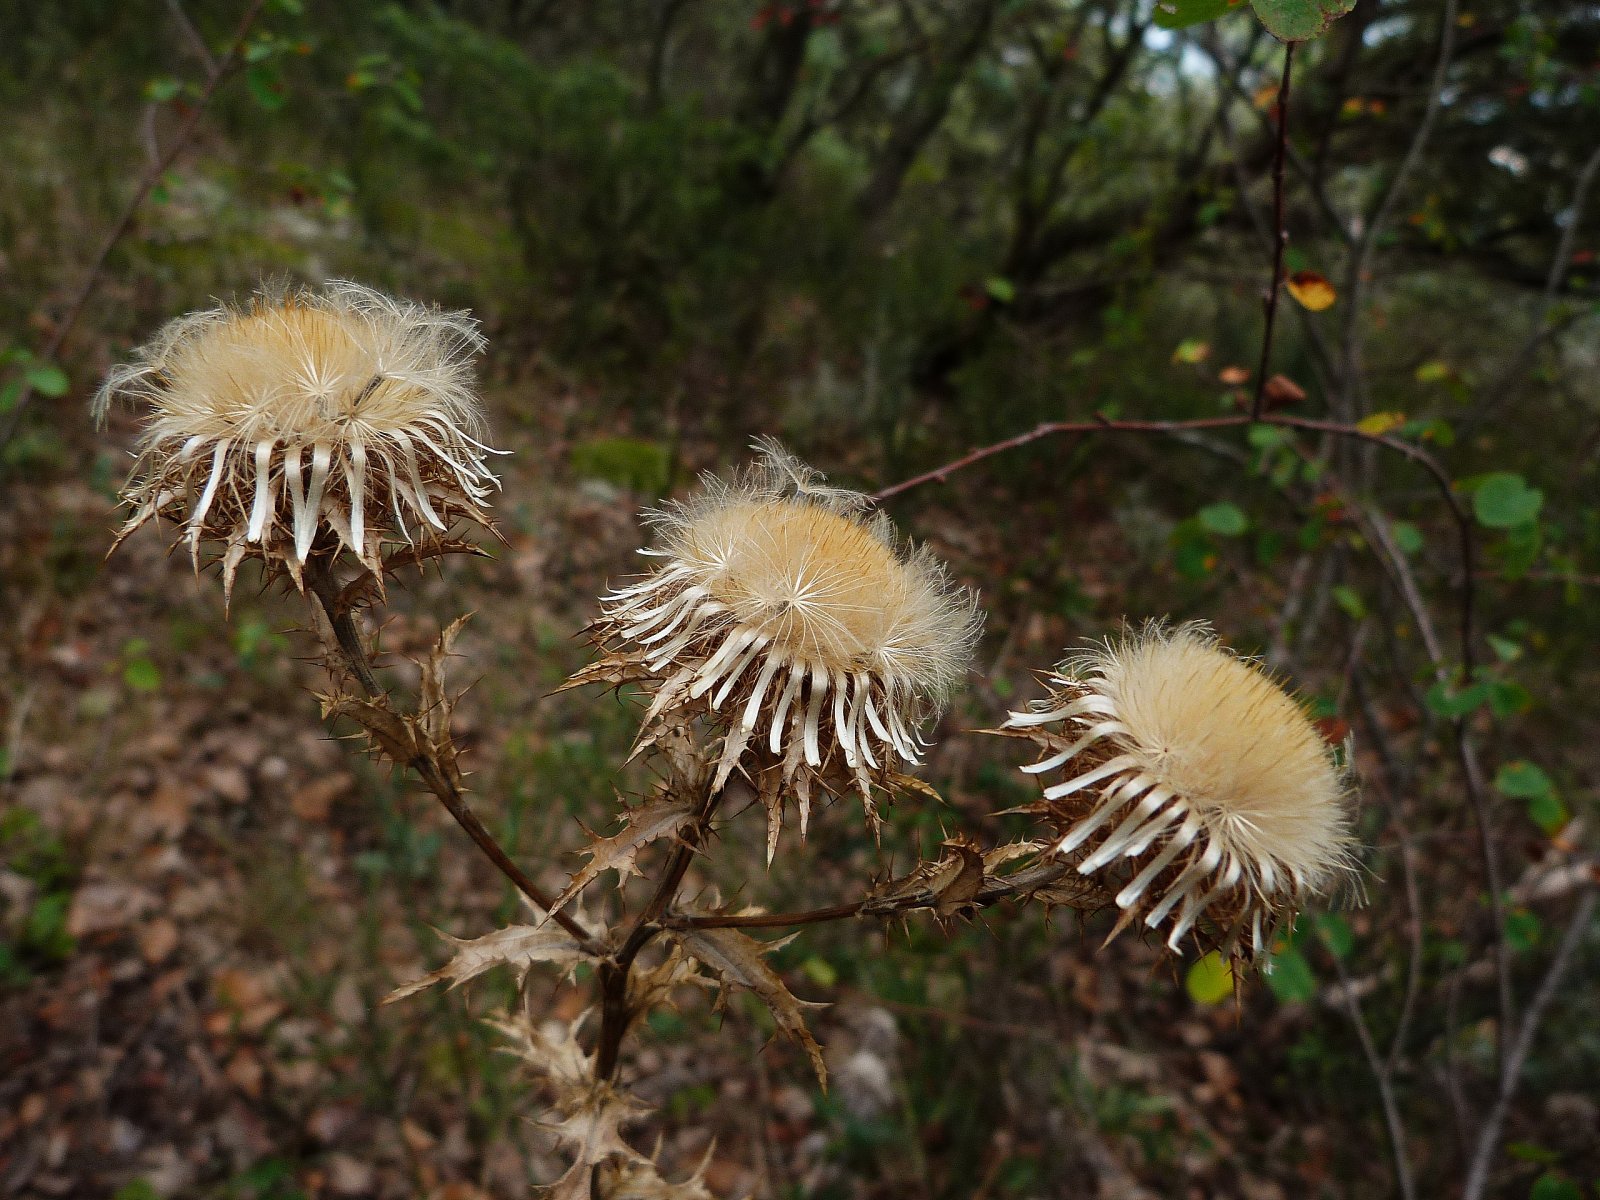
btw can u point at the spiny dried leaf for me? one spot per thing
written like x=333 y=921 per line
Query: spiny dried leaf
x=900 y=782
x=960 y=878
x=946 y=885
x=553 y=1052
x=519 y=947
x=651 y=989
x=393 y=734
x=612 y=669
x=738 y=960
x=994 y=859
x=435 y=704
x=643 y=1181
x=592 y=1130
x=644 y=824
x=573 y=1185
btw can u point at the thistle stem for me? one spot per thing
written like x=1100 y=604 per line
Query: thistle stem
x=992 y=892
x=338 y=631
x=615 y=1013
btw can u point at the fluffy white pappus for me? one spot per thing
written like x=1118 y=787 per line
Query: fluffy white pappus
x=801 y=621
x=304 y=410
x=1196 y=780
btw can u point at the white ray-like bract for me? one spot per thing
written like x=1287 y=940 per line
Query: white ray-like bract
x=1195 y=781
x=800 y=624
x=338 y=409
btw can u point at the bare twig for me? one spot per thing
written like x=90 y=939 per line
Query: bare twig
x=1360 y=264
x=1383 y=1076
x=1495 y=394
x=147 y=182
x=1488 y=1143
x=1280 y=235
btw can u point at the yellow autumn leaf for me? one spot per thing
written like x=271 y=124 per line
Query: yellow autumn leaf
x=1312 y=290
x=1381 y=422
x=1192 y=350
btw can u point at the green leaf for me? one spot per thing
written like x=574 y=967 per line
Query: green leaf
x=1224 y=519
x=1523 y=930
x=1504 y=500
x=1000 y=289
x=48 y=380
x=142 y=675
x=1443 y=701
x=1504 y=648
x=1210 y=980
x=1180 y=14
x=1522 y=781
x=1553 y=1185
x=1549 y=813
x=1350 y=602
x=820 y=971
x=1407 y=536
x=1297 y=20
x=162 y=89
x=263 y=83
x=1507 y=698
x=1336 y=934
x=1291 y=979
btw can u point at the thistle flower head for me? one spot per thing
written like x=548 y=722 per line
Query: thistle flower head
x=799 y=625
x=307 y=418
x=1189 y=777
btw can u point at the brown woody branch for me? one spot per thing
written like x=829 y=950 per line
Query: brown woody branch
x=1280 y=235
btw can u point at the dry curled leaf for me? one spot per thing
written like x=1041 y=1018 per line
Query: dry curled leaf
x=1280 y=392
x=738 y=960
x=1312 y=290
x=643 y=1181
x=518 y=947
x=947 y=885
x=589 y=1113
x=643 y=825
x=435 y=704
x=395 y=735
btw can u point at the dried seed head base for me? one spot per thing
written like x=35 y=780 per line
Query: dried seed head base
x=1195 y=783
x=308 y=419
x=815 y=642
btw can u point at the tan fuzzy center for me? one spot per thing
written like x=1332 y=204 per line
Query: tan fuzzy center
x=820 y=585
x=1222 y=734
x=292 y=369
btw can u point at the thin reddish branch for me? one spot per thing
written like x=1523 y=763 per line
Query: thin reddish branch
x=147 y=182
x=1280 y=234
x=1103 y=424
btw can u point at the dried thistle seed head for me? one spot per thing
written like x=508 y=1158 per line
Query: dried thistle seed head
x=804 y=628
x=338 y=418
x=1194 y=783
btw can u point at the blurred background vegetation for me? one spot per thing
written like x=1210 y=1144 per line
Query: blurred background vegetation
x=885 y=231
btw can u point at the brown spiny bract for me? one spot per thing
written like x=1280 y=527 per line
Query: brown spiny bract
x=1191 y=782
x=302 y=419
x=800 y=626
